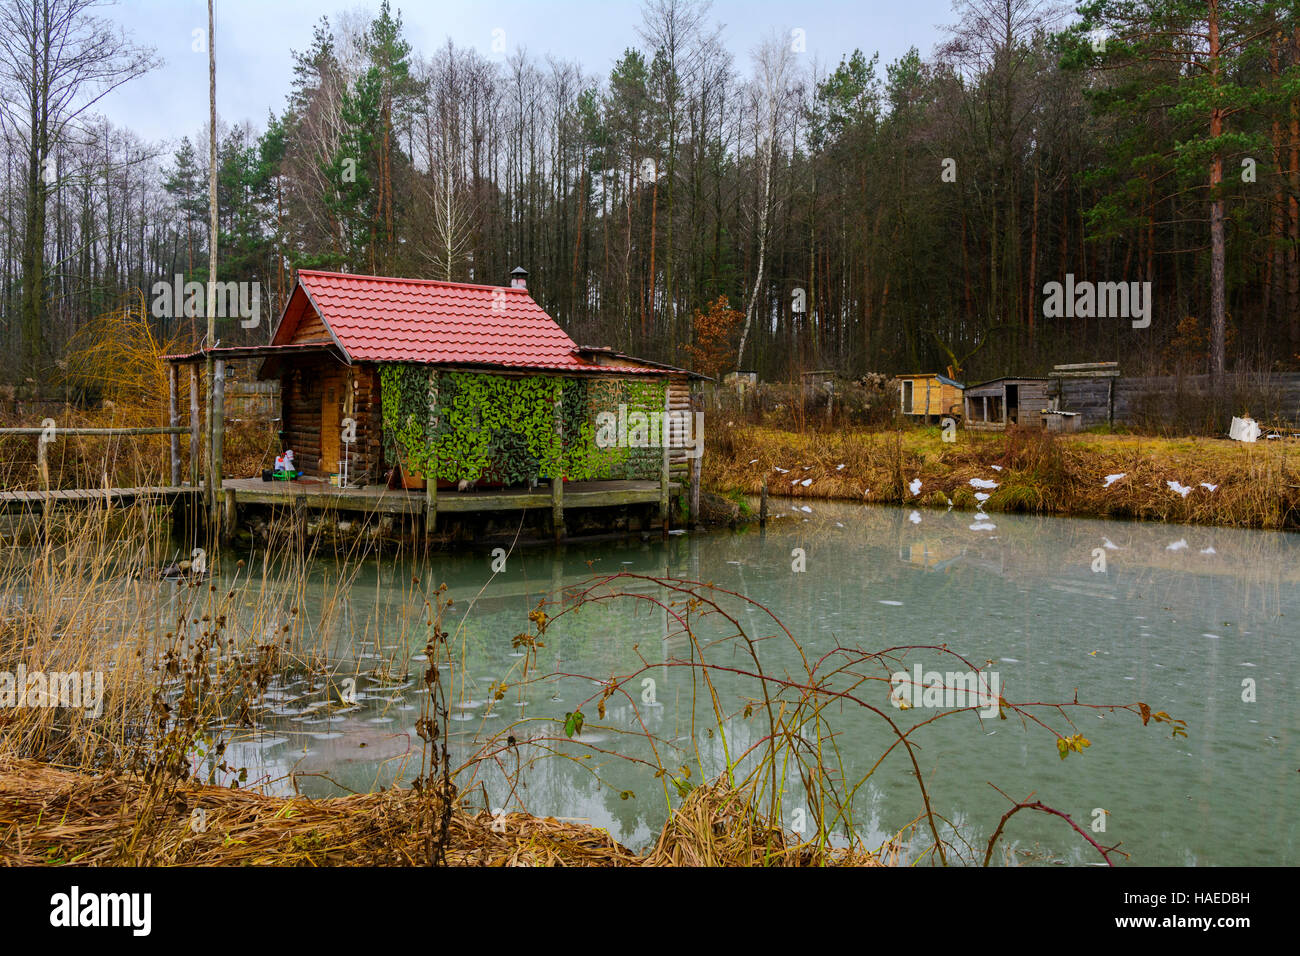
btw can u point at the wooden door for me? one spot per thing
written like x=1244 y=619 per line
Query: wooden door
x=331 y=424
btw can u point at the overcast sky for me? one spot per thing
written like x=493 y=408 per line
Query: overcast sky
x=255 y=37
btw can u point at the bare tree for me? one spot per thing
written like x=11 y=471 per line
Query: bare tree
x=57 y=60
x=772 y=98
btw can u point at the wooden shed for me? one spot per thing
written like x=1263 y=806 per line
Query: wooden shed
x=1006 y=401
x=444 y=384
x=929 y=395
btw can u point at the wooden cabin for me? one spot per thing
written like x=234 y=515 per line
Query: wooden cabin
x=1006 y=401
x=929 y=395
x=468 y=382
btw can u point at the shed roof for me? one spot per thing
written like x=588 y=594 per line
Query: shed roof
x=1006 y=379
x=389 y=319
x=943 y=378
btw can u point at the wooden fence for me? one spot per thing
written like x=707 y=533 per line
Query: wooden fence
x=1186 y=403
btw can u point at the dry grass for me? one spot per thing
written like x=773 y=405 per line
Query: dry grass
x=1257 y=485
x=52 y=816
x=717 y=826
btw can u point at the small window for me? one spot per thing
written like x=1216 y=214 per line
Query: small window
x=907 y=398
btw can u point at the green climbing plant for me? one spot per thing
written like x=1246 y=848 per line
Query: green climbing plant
x=472 y=425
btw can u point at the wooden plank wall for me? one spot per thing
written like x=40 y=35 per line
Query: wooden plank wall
x=1179 y=401
x=302 y=385
x=1033 y=399
x=679 y=401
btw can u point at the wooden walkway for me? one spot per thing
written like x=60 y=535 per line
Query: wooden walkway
x=379 y=500
x=30 y=501
x=315 y=495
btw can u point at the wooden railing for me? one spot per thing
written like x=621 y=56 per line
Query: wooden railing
x=42 y=445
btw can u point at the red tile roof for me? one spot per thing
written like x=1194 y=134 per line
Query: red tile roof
x=378 y=319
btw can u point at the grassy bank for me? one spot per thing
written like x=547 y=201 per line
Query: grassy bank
x=1253 y=485
x=52 y=817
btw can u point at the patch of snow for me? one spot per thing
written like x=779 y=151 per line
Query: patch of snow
x=806 y=482
x=1209 y=487
x=839 y=467
x=996 y=467
x=1178 y=545
x=893 y=603
x=1111 y=479
x=1180 y=488
x=753 y=461
x=780 y=469
x=805 y=508
x=981 y=496
x=915 y=486
x=982 y=483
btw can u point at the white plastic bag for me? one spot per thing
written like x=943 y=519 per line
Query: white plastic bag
x=1244 y=429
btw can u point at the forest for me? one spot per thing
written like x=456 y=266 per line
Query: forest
x=857 y=216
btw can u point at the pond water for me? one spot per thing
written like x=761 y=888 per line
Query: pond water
x=1201 y=623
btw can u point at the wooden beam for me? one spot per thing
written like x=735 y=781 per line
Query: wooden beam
x=697 y=463
x=1084 y=366
x=431 y=480
x=232 y=514
x=173 y=419
x=195 y=426
x=557 y=481
x=151 y=430
x=430 y=503
x=218 y=437
x=663 y=461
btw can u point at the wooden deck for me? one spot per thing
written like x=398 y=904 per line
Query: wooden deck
x=308 y=493
x=31 y=501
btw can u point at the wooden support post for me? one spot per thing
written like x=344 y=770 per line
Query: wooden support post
x=696 y=467
x=43 y=473
x=664 y=459
x=231 y=522
x=430 y=503
x=195 y=425
x=557 y=480
x=174 y=420
x=697 y=462
x=431 y=469
x=762 y=505
x=218 y=438
x=43 y=463
x=663 y=490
